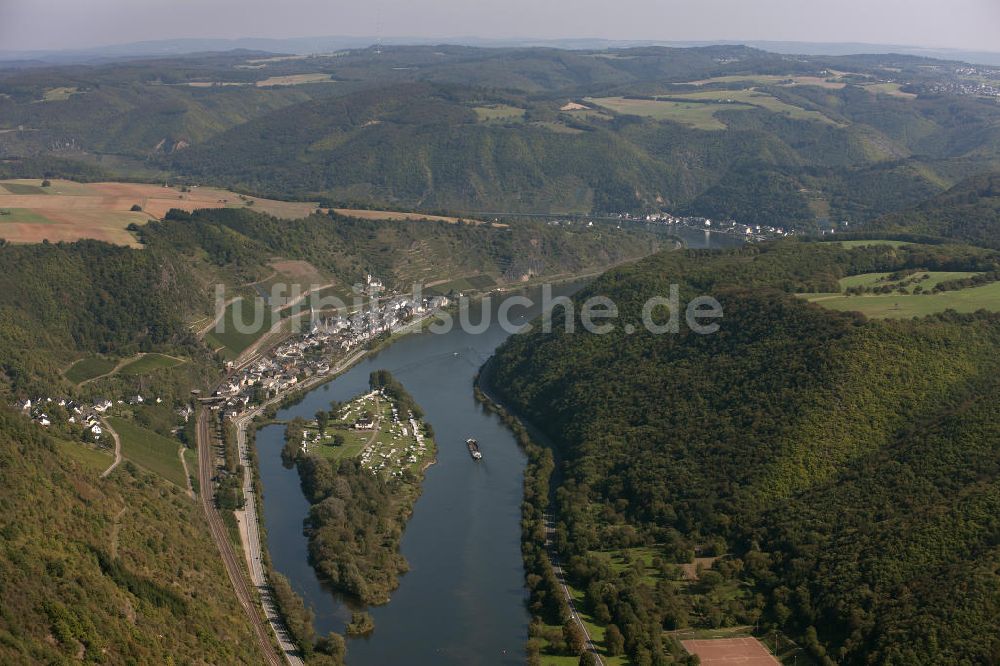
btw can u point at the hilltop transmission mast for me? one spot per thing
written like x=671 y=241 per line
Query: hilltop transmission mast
x=378 y=28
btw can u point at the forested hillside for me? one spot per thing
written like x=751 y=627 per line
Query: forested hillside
x=118 y=570
x=846 y=468
x=968 y=212
x=404 y=252
x=422 y=146
x=718 y=131
x=57 y=301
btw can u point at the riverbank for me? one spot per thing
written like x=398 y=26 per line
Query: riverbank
x=555 y=618
x=463 y=600
x=362 y=476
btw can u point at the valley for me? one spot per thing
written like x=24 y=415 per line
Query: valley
x=233 y=428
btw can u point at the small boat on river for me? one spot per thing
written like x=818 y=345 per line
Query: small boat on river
x=474 y=449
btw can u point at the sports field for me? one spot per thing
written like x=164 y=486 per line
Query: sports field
x=730 y=651
x=70 y=211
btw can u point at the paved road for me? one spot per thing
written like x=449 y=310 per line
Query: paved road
x=243 y=591
x=561 y=577
x=250 y=538
x=118 y=448
x=250 y=521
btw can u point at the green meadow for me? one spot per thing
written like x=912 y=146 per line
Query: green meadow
x=904 y=305
x=148 y=363
x=234 y=341
x=89 y=368
x=150 y=450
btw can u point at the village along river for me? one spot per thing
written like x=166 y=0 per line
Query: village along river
x=462 y=602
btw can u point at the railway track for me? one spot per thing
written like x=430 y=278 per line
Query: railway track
x=244 y=593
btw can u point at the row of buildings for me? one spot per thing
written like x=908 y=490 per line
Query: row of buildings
x=309 y=354
x=85 y=415
x=749 y=231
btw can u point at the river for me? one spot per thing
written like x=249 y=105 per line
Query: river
x=462 y=602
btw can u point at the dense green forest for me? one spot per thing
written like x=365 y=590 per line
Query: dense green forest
x=354 y=527
x=968 y=212
x=58 y=300
x=845 y=468
x=112 y=570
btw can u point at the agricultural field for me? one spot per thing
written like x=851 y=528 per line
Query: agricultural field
x=698 y=116
x=906 y=305
x=70 y=211
x=830 y=82
x=13 y=187
x=150 y=450
x=701 y=111
x=891 y=89
x=871 y=243
x=294 y=80
x=577 y=110
x=231 y=340
x=88 y=368
x=365 y=214
x=925 y=279
x=499 y=113
x=59 y=94
x=210 y=84
x=470 y=283
x=755 y=98
x=290 y=279
x=149 y=363
x=97 y=459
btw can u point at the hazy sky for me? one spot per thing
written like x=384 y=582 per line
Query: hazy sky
x=53 y=24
